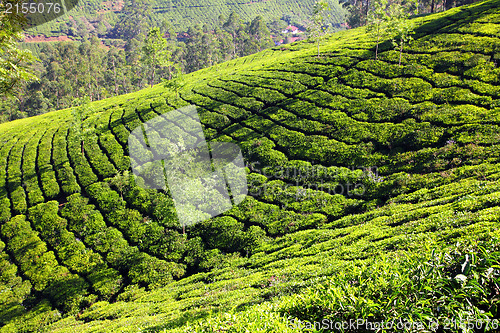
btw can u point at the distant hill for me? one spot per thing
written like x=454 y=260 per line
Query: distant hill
x=185 y=13
x=374 y=195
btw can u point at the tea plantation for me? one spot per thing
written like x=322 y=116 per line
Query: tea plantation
x=181 y=13
x=374 y=195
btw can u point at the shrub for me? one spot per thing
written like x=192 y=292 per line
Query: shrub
x=41 y=267
x=45 y=219
x=435 y=283
x=83 y=170
x=106 y=282
x=30 y=177
x=49 y=183
x=15 y=290
x=107 y=200
x=114 y=151
x=261 y=150
x=223 y=233
x=152 y=272
x=130 y=222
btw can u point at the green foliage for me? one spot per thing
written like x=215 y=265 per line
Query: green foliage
x=137 y=16
x=62 y=165
x=107 y=200
x=378 y=19
x=317 y=25
x=15 y=63
x=156 y=53
x=15 y=289
x=124 y=66
x=355 y=166
x=436 y=286
x=41 y=267
x=121 y=181
x=49 y=182
x=399 y=13
x=114 y=150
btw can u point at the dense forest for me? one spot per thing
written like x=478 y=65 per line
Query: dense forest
x=70 y=72
x=111 y=67
x=363 y=12
x=97 y=16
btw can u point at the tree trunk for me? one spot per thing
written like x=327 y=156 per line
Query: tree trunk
x=153 y=77
x=21 y=102
x=154 y=70
x=125 y=86
x=90 y=92
x=116 y=82
x=234 y=45
x=433 y=4
x=366 y=11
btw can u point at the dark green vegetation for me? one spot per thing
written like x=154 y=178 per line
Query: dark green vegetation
x=112 y=62
x=99 y=16
x=107 y=46
x=15 y=64
x=391 y=212
x=104 y=72
x=359 y=10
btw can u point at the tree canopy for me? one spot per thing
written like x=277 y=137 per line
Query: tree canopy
x=15 y=64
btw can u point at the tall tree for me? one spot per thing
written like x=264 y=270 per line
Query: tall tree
x=168 y=31
x=378 y=19
x=201 y=49
x=135 y=20
x=400 y=12
x=15 y=64
x=357 y=12
x=259 y=33
x=90 y=67
x=156 y=53
x=232 y=26
x=317 y=25
x=117 y=75
x=210 y=48
x=225 y=42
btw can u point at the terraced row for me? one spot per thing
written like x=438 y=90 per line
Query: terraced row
x=347 y=157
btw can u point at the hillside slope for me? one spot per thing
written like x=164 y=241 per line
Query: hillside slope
x=374 y=194
x=183 y=14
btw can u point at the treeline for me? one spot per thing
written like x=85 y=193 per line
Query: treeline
x=70 y=72
x=359 y=12
x=391 y=19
